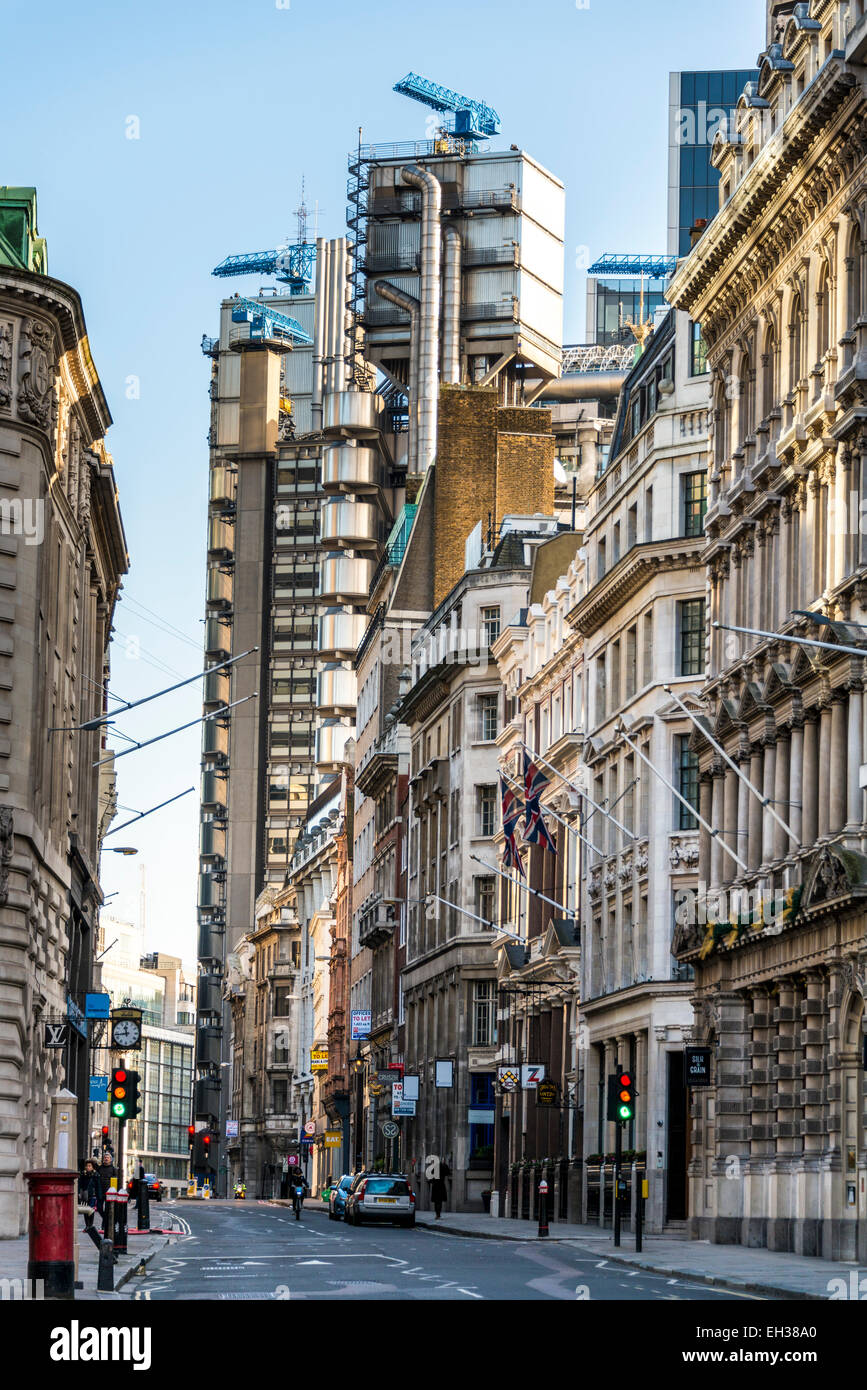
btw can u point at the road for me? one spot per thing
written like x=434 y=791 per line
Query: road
x=255 y=1250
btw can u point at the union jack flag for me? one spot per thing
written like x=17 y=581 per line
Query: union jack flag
x=535 y=830
x=512 y=811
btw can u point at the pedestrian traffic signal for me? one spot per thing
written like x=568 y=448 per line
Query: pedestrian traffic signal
x=621 y=1096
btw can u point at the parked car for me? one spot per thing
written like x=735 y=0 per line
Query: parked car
x=337 y=1200
x=380 y=1197
x=154 y=1186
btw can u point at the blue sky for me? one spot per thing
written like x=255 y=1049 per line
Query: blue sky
x=235 y=102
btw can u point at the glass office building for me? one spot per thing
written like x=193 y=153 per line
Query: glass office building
x=612 y=300
x=698 y=103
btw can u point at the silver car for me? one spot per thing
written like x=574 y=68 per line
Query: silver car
x=381 y=1197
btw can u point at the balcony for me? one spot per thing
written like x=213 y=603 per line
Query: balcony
x=215 y=742
x=221 y=538
x=431 y=784
x=217 y=687
x=212 y=841
x=213 y=791
x=380 y=763
x=222 y=487
x=377 y=920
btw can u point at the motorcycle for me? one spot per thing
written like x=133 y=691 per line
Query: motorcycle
x=240 y=1191
x=297 y=1200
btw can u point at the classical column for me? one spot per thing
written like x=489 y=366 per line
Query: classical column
x=824 y=771
x=705 y=798
x=810 y=780
x=717 y=873
x=854 y=755
x=838 y=777
x=781 y=841
x=745 y=796
x=768 y=793
x=754 y=858
x=796 y=782
x=730 y=868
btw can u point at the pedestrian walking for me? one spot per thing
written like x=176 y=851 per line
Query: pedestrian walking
x=438 y=1194
x=105 y=1173
x=89 y=1186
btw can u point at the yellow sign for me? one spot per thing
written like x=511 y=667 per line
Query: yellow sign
x=333 y=1138
x=319 y=1059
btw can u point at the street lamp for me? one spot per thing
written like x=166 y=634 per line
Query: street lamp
x=119 y=849
x=358 y=1066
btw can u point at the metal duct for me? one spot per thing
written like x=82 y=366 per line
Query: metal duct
x=413 y=308
x=318 y=335
x=583 y=386
x=326 y=319
x=429 y=325
x=335 y=313
x=451 y=360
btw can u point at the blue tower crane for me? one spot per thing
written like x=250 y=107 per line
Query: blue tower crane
x=293 y=265
x=474 y=119
x=266 y=322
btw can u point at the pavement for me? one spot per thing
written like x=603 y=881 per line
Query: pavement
x=256 y=1250
x=141 y=1246
x=762 y=1273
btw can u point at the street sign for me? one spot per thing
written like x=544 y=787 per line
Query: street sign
x=360 y=1024
x=390 y=1128
x=387 y=1078
x=319 y=1059
x=333 y=1138
x=56 y=1034
x=375 y=1089
x=98 y=1088
x=399 y=1106
x=97 y=1005
x=75 y=1016
x=696 y=1066
x=444 y=1074
x=546 y=1093
x=231 y=1129
x=310 y=1127
x=410 y=1088
x=508 y=1078
x=531 y=1074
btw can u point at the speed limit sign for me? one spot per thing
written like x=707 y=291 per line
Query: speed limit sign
x=310 y=1127
x=390 y=1129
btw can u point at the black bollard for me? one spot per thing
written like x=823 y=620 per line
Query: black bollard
x=108 y=1214
x=91 y=1231
x=105 y=1273
x=144 y=1207
x=543 y=1208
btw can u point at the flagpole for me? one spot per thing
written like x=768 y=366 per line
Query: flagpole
x=549 y=812
x=537 y=757
x=534 y=891
x=693 y=812
x=790 y=637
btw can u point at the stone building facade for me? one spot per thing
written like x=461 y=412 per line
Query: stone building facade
x=779 y=941
x=62 y=557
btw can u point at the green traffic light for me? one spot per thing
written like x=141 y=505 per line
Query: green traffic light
x=626 y=1112
x=119 y=1109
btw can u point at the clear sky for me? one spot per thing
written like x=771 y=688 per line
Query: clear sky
x=232 y=102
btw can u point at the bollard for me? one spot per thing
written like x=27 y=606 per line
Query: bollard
x=108 y=1215
x=144 y=1207
x=89 y=1229
x=105 y=1273
x=51 y=1256
x=543 y=1208
x=120 y=1223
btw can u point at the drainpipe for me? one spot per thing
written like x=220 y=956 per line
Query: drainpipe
x=451 y=358
x=412 y=307
x=429 y=325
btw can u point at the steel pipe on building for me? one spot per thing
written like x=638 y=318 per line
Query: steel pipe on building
x=319 y=311
x=385 y=290
x=336 y=305
x=429 y=315
x=451 y=360
x=583 y=386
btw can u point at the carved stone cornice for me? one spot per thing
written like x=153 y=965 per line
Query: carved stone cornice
x=638 y=567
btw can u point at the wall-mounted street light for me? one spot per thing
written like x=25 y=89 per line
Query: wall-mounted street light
x=119 y=849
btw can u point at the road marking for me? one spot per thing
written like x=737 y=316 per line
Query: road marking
x=314 y=1262
x=671 y=1281
x=601 y=1264
x=470 y=1293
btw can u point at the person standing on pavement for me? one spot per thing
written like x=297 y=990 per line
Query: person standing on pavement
x=438 y=1194
x=106 y=1172
x=89 y=1186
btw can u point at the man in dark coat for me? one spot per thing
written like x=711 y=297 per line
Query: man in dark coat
x=439 y=1193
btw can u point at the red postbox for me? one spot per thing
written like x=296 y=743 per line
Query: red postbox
x=52 y=1230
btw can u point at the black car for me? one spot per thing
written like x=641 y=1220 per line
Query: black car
x=380 y=1197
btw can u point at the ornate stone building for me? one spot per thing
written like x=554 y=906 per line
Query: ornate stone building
x=62 y=555
x=779 y=941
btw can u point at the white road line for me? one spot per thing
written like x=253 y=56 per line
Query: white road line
x=470 y=1293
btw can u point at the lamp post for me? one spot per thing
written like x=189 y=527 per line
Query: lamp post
x=358 y=1067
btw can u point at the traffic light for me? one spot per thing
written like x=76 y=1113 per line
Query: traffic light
x=133 y=1103
x=118 y=1093
x=621 y=1096
x=191 y=1134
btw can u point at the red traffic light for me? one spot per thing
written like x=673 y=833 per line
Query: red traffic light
x=191 y=1131
x=625 y=1079
x=206 y=1140
x=120 y=1074
x=105 y=1129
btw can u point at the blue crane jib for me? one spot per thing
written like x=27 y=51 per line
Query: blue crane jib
x=293 y=265
x=633 y=263
x=472 y=118
x=266 y=322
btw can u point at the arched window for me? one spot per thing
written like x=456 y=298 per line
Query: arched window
x=745 y=398
x=853 y=307
x=823 y=304
x=769 y=371
x=795 y=333
x=721 y=426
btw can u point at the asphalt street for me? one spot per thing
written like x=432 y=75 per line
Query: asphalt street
x=257 y=1251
